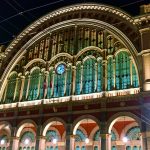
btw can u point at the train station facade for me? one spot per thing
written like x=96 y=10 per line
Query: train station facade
x=78 y=78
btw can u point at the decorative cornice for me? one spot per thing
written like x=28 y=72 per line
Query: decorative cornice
x=68 y=9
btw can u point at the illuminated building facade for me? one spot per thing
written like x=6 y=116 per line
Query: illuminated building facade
x=77 y=79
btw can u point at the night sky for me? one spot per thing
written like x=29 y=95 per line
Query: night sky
x=15 y=15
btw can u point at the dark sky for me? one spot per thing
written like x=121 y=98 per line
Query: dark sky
x=15 y=15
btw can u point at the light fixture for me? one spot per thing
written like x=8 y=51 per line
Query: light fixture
x=124 y=139
x=54 y=141
x=26 y=141
x=2 y=141
x=87 y=140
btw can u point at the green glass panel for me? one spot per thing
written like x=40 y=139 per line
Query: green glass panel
x=122 y=71
x=59 y=84
x=11 y=88
x=69 y=81
x=110 y=75
x=134 y=77
x=29 y=135
x=50 y=135
x=78 y=79
x=80 y=136
x=42 y=86
x=96 y=135
x=49 y=85
x=88 y=76
x=133 y=133
x=34 y=82
x=100 y=76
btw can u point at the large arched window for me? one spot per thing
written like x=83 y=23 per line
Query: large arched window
x=88 y=76
x=34 y=84
x=122 y=71
x=11 y=88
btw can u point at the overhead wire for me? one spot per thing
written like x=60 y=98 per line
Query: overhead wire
x=28 y=10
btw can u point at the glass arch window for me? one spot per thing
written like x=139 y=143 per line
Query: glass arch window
x=88 y=76
x=50 y=135
x=11 y=88
x=99 y=76
x=110 y=74
x=34 y=84
x=78 y=79
x=50 y=84
x=122 y=70
x=80 y=136
x=134 y=133
x=59 y=85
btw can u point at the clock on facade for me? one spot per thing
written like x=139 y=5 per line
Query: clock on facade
x=60 y=69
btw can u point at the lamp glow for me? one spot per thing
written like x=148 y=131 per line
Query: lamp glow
x=87 y=140
x=27 y=141
x=125 y=139
x=54 y=141
x=2 y=142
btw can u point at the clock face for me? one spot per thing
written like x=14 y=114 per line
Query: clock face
x=60 y=69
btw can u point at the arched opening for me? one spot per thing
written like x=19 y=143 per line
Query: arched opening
x=5 y=133
x=129 y=134
x=54 y=132
x=86 y=135
x=27 y=136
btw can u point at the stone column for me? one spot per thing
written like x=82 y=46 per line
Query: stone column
x=131 y=78
x=14 y=143
x=104 y=75
x=39 y=139
x=70 y=139
x=114 y=73
x=73 y=80
x=53 y=75
x=81 y=86
x=22 y=87
x=96 y=77
x=46 y=86
x=16 y=86
x=39 y=84
x=65 y=84
x=42 y=143
x=28 y=86
x=145 y=136
x=105 y=137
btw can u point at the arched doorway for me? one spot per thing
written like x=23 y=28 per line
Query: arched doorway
x=86 y=135
x=126 y=134
x=54 y=133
